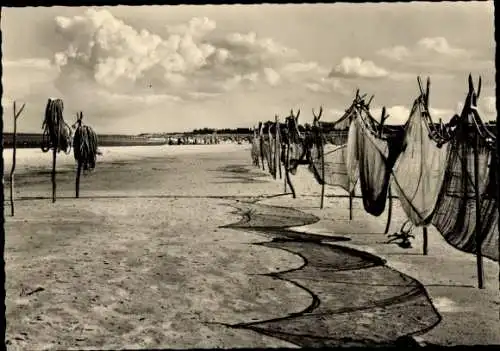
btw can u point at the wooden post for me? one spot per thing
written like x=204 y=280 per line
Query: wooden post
x=279 y=155
x=389 y=211
x=287 y=174
x=261 y=143
x=425 y=244
x=284 y=182
x=322 y=171
x=78 y=173
x=16 y=115
x=479 y=242
x=277 y=143
x=54 y=185
x=351 y=194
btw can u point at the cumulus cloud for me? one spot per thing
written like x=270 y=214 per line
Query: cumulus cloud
x=272 y=77
x=114 y=71
x=425 y=48
x=196 y=27
x=328 y=85
x=184 y=60
x=355 y=67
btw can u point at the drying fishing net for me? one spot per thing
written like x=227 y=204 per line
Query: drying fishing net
x=255 y=151
x=297 y=153
x=355 y=299
x=85 y=144
x=376 y=152
x=56 y=132
x=352 y=160
x=333 y=160
x=278 y=148
x=265 y=147
x=455 y=214
x=271 y=150
x=419 y=170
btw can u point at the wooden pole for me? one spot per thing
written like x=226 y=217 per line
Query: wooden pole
x=425 y=244
x=287 y=173
x=54 y=157
x=279 y=157
x=13 y=163
x=479 y=242
x=261 y=143
x=284 y=167
x=284 y=182
x=275 y=161
x=389 y=211
x=322 y=171
x=350 y=203
x=16 y=115
x=78 y=173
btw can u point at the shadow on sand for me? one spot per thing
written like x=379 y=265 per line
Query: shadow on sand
x=241 y=174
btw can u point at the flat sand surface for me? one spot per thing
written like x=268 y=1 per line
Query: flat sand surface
x=191 y=246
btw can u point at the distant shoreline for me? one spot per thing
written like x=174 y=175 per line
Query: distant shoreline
x=34 y=140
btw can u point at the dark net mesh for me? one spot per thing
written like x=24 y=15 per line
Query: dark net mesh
x=333 y=161
x=355 y=299
x=455 y=216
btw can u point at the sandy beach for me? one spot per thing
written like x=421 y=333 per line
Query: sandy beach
x=192 y=246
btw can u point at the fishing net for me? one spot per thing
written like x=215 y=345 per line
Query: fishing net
x=56 y=132
x=455 y=215
x=297 y=152
x=278 y=148
x=419 y=172
x=271 y=158
x=352 y=160
x=85 y=144
x=355 y=299
x=255 y=151
x=333 y=161
x=266 y=151
x=376 y=150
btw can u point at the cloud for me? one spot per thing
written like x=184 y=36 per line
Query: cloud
x=182 y=61
x=425 y=49
x=29 y=63
x=247 y=79
x=115 y=72
x=272 y=77
x=397 y=53
x=355 y=67
x=439 y=45
x=196 y=27
x=328 y=85
x=488 y=104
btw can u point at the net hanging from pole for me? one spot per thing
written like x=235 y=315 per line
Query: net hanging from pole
x=376 y=149
x=255 y=150
x=334 y=144
x=419 y=171
x=455 y=214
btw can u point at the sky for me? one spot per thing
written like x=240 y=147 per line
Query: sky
x=175 y=68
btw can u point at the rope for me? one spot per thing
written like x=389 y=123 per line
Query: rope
x=56 y=132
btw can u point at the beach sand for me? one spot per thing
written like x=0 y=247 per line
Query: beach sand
x=144 y=258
